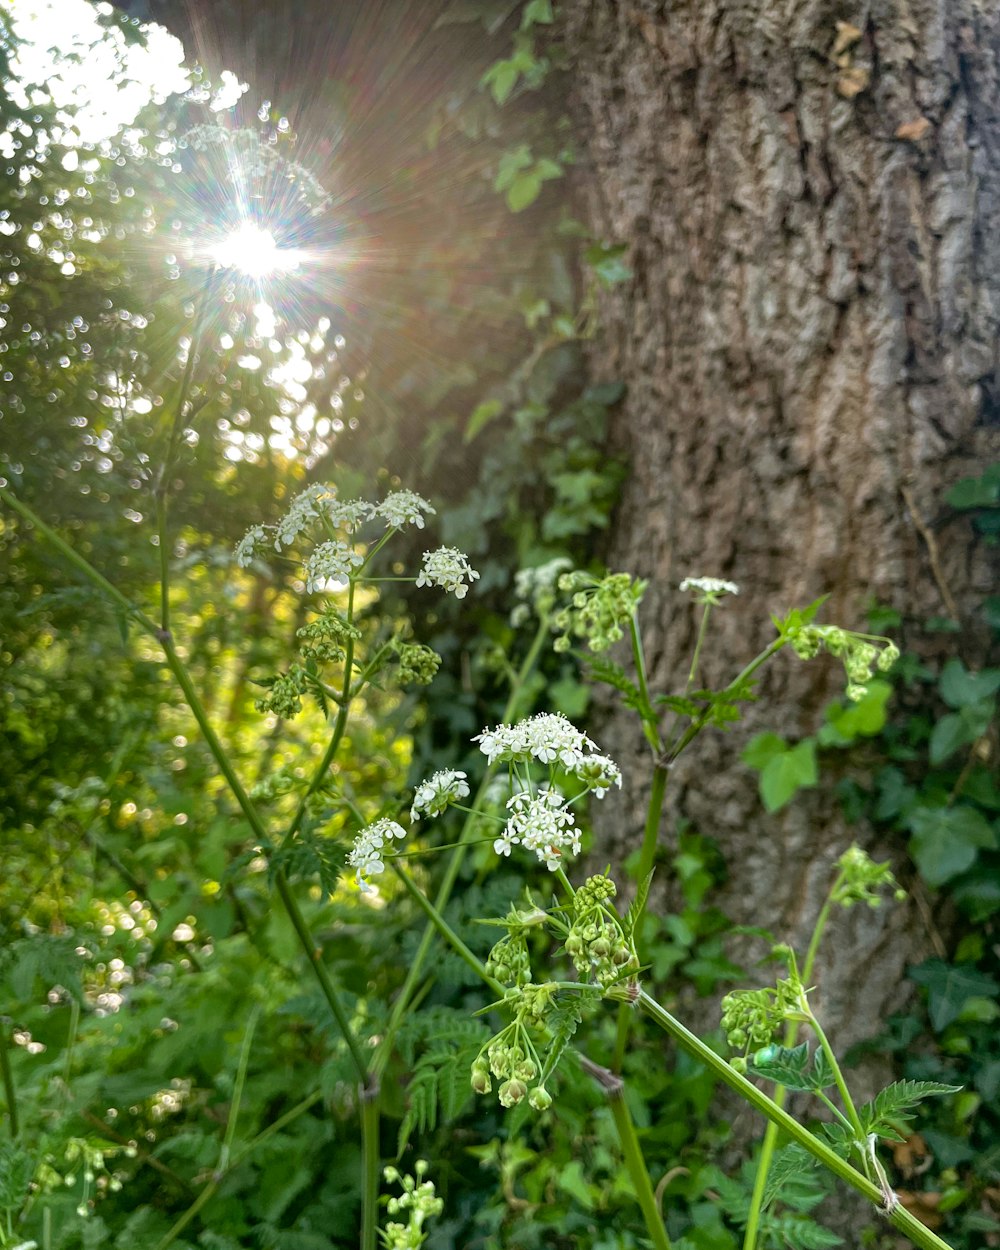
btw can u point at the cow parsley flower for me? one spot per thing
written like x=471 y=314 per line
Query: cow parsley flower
x=403 y=507
x=304 y=508
x=349 y=512
x=709 y=589
x=448 y=568
x=541 y=823
x=246 y=548
x=437 y=793
x=331 y=561
x=366 y=854
x=548 y=737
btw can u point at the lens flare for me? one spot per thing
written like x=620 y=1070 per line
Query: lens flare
x=254 y=251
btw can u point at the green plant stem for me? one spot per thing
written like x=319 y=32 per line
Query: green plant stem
x=455 y=863
x=444 y=928
x=838 y=1076
x=162 y=489
x=614 y=1088
x=369 y=1167
x=654 y=814
x=9 y=1088
x=339 y=726
x=221 y=757
x=647 y=716
x=900 y=1218
x=696 y=726
x=241 y=1076
x=611 y=1082
x=700 y=642
x=82 y=565
x=770 y=1142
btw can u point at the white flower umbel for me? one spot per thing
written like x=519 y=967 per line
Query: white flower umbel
x=349 y=512
x=246 y=548
x=403 y=507
x=541 y=823
x=333 y=561
x=438 y=792
x=448 y=568
x=548 y=737
x=366 y=854
x=306 y=507
x=709 y=589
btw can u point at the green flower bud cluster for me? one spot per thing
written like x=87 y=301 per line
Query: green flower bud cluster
x=284 y=693
x=418 y=665
x=417 y=1201
x=508 y=961
x=274 y=786
x=860 y=654
x=600 y=609
x=508 y=1061
x=751 y=1019
x=510 y=1055
x=861 y=880
x=596 y=942
x=324 y=639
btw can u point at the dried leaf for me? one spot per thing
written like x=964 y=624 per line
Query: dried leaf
x=922 y=1206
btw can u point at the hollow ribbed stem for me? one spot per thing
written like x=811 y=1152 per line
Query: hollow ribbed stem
x=899 y=1217
x=9 y=1088
x=455 y=862
x=770 y=1143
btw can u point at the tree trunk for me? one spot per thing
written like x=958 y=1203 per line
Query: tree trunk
x=810 y=192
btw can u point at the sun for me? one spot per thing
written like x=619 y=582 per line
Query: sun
x=254 y=251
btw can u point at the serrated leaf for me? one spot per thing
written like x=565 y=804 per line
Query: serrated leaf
x=895 y=1106
x=637 y=906
x=785 y=1065
x=822 y=1072
x=792 y=1166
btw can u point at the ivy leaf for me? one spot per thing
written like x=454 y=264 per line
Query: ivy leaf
x=976 y=492
x=895 y=1106
x=959 y=687
x=607 y=264
x=537 y=12
x=482 y=415
x=864 y=719
x=949 y=987
x=946 y=841
x=785 y=774
x=523 y=191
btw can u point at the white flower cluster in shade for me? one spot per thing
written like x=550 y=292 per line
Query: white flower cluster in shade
x=548 y=737
x=713 y=586
x=335 y=560
x=541 y=823
x=438 y=792
x=331 y=561
x=404 y=507
x=366 y=854
x=448 y=568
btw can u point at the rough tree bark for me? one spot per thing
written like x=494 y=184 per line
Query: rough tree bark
x=810 y=191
